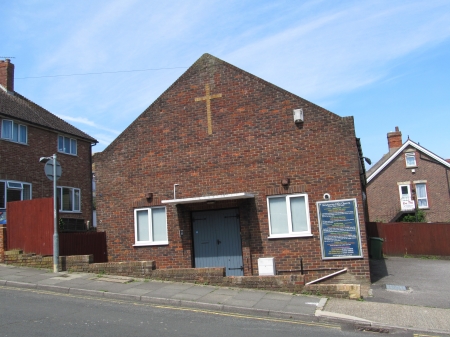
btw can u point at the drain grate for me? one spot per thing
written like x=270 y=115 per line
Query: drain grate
x=396 y=287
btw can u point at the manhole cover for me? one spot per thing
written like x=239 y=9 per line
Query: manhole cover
x=396 y=287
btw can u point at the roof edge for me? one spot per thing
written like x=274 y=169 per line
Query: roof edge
x=409 y=142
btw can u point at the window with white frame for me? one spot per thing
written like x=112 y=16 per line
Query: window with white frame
x=69 y=199
x=410 y=158
x=421 y=193
x=150 y=226
x=14 y=132
x=13 y=191
x=67 y=145
x=288 y=215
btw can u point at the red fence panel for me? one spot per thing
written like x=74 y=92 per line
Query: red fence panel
x=402 y=238
x=84 y=244
x=30 y=226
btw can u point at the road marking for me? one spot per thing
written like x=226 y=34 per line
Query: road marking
x=210 y=312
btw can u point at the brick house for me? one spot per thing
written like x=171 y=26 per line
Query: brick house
x=28 y=132
x=222 y=170
x=407 y=178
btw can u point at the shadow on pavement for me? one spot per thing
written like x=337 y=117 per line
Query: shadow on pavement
x=378 y=270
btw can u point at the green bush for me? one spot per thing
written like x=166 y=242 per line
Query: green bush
x=418 y=217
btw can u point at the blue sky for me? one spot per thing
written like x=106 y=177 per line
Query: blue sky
x=387 y=63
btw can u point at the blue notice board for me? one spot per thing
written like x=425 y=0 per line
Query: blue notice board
x=339 y=229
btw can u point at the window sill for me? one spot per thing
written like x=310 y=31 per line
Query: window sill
x=69 y=154
x=412 y=167
x=287 y=236
x=71 y=212
x=12 y=141
x=144 y=244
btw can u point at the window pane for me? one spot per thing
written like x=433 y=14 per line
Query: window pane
x=66 y=145
x=61 y=143
x=142 y=225
x=159 y=224
x=15 y=132
x=298 y=214
x=278 y=215
x=26 y=192
x=422 y=195
x=58 y=197
x=410 y=159
x=73 y=146
x=13 y=195
x=6 y=129
x=23 y=134
x=67 y=202
x=2 y=194
x=76 y=201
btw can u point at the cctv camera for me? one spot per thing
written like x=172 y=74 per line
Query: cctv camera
x=326 y=196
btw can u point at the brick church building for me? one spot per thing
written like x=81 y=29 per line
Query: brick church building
x=225 y=170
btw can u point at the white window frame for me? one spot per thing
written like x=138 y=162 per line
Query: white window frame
x=9 y=185
x=291 y=233
x=150 y=242
x=71 y=149
x=423 y=198
x=16 y=130
x=59 y=192
x=410 y=155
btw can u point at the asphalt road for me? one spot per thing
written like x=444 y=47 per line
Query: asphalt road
x=37 y=313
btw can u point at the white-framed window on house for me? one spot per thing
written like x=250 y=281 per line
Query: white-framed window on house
x=421 y=193
x=288 y=216
x=13 y=191
x=410 y=158
x=14 y=132
x=69 y=199
x=150 y=226
x=67 y=145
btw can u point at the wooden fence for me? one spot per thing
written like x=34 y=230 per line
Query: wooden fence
x=83 y=244
x=30 y=228
x=403 y=238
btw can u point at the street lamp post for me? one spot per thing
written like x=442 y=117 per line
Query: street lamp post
x=53 y=171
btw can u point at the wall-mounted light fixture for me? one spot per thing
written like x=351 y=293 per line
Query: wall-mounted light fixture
x=285 y=181
x=149 y=196
x=175 y=191
x=298 y=116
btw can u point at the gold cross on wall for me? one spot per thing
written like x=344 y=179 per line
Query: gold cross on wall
x=208 y=99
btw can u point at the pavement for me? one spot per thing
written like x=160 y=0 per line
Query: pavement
x=372 y=314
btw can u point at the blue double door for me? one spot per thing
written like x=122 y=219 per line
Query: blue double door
x=217 y=240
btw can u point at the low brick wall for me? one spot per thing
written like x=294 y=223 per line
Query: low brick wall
x=2 y=243
x=212 y=276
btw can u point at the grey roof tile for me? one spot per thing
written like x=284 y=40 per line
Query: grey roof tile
x=16 y=106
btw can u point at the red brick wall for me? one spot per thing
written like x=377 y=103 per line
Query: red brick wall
x=383 y=192
x=21 y=162
x=254 y=144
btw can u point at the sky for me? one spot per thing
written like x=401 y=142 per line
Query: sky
x=386 y=63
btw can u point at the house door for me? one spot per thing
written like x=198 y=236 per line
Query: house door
x=217 y=240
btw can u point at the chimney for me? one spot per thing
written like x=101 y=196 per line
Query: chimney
x=394 y=140
x=7 y=74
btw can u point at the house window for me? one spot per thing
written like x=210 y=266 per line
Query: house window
x=69 y=199
x=410 y=158
x=13 y=191
x=421 y=192
x=289 y=216
x=150 y=226
x=67 y=145
x=14 y=132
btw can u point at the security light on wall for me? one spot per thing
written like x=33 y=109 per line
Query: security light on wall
x=298 y=116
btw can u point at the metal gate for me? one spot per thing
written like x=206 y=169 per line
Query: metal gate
x=217 y=240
